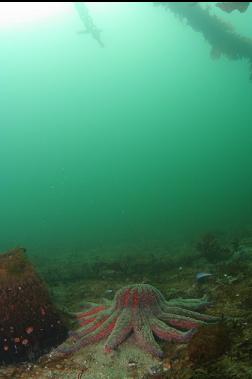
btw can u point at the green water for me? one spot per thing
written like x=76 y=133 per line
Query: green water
x=146 y=139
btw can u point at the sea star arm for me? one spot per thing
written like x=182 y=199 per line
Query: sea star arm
x=102 y=331
x=193 y=304
x=168 y=333
x=88 y=328
x=190 y=314
x=122 y=329
x=180 y=321
x=104 y=318
x=90 y=312
x=99 y=316
x=144 y=336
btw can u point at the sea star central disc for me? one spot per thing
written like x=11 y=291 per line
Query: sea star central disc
x=140 y=309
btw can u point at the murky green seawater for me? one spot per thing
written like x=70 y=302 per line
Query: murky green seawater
x=145 y=139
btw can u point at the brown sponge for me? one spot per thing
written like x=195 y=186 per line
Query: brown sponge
x=29 y=323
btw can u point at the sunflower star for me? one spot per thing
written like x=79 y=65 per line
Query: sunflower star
x=140 y=309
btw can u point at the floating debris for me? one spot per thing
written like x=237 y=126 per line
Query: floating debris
x=155 y=370
x=202 y=277
x=221 y=36
x=132 y=363
x=231 y=6
x=90 y=27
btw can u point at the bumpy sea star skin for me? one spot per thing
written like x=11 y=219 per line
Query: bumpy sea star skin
x=140 y=309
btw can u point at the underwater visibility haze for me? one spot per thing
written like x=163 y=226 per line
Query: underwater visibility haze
x=126 y=129
x=145 y=138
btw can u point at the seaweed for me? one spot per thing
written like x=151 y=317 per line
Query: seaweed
x=221 y=36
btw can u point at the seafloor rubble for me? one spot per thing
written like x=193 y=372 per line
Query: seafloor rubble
x=217 y=351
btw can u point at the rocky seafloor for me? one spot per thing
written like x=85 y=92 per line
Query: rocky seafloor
x=221 y=351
